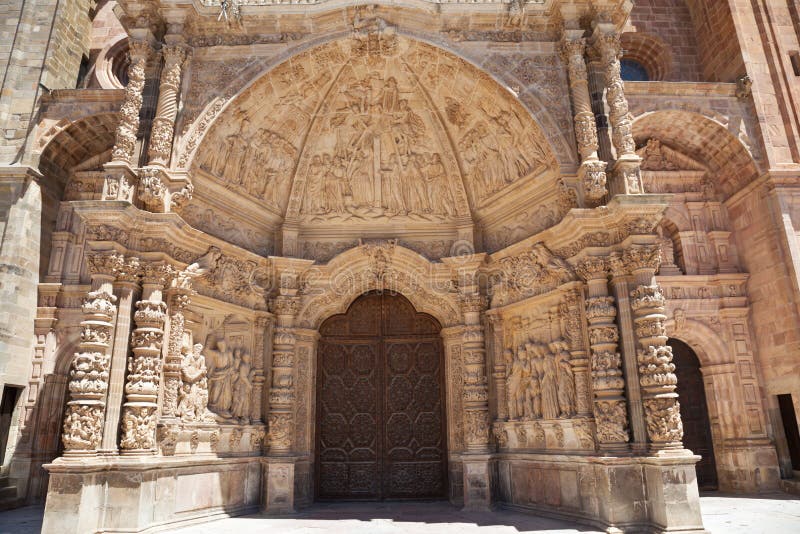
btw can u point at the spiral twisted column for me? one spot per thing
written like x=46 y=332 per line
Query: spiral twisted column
x=626 y=169
x=593 y=170
x=160 y=148
x=125 y=142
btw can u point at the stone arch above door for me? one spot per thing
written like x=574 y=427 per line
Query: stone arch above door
x=331 y=289
x=372 y=135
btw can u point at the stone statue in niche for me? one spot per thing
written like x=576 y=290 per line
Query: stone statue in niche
x=220 y=376
x=193 y=394
x=540 y=382
x=242 y=386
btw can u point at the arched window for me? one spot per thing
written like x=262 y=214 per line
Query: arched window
x=633 y=71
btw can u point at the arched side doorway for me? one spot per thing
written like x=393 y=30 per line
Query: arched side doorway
x=380 y=429
x=694 y=412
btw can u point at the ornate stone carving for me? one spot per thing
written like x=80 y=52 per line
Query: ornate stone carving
x=151 y=189
x=534 y=272
x=125 y=144
x=664 y=423
x=89 y=373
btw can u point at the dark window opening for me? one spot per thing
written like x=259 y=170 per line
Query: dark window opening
x=633 y=71
x=83 y=70
x=789 y=419
x=10 y=396
x=794 y=57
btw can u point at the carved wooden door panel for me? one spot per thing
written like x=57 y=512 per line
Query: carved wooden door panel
x=380 y=412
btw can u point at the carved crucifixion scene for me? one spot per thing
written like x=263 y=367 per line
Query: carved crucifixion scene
x=529 y=255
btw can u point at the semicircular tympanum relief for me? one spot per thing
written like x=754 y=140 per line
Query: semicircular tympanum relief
x=380 y=128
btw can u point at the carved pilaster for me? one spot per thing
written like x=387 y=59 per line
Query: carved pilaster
x=161 y=135
x=656 y=370
x=125 y=142
x=499 y=367
x=144 y=364
x=572 y=315
x=610 y=412
x=178 y=298
x=262 y=328
x=282 y=390
x=88 y=384
x=626 y=169
x=476 y=384
x=592 y=171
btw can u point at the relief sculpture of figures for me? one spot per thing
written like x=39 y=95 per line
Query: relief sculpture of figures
x=540 y=383
x=242 y=386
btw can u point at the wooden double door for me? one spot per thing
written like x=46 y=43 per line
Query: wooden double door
x=380 y=424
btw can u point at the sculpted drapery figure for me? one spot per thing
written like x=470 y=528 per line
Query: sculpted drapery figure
x=220 y=375
x=242 y=386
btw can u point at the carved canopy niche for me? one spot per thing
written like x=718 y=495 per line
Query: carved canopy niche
x=374 y=135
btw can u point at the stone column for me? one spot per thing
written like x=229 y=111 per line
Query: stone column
x=125 y=143
x=626 y=169
x=144 y=365
x=592 y=171
x=178 y=298
x=610 y=413
x=656 y=370
x=477 y=474
x=161 y=135
x=88 y=384
x=281 y=393
x=279 y=468
x=125 y=289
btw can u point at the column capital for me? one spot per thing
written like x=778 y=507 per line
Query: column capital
x=593 y=268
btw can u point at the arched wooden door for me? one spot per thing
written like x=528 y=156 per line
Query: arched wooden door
x=380 y=430
x=694 y=412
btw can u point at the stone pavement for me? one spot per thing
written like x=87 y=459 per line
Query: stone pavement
x=722 y=514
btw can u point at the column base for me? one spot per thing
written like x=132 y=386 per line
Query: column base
x=278 y=480
x=477 y=482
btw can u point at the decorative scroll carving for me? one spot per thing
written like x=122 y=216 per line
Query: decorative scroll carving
x=125 y=144
x=534 y=272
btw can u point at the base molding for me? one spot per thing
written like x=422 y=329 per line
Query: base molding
x=651 y=494
x=131 y=494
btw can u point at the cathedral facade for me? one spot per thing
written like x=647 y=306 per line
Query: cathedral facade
x=528 y=254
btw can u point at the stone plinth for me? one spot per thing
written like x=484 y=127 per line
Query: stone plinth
x=137 y=494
